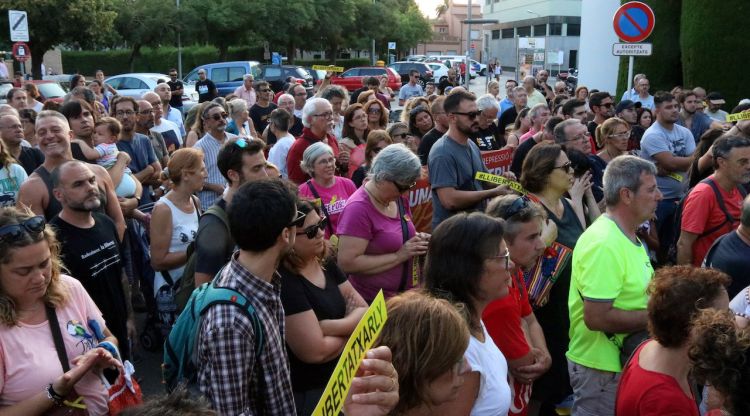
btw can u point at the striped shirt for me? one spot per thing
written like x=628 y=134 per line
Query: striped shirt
x=230 y=376
x=210 y=147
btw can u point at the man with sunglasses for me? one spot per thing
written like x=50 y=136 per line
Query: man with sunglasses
x=603 y=107
x=206 y=88
x=176 y=89
x=263 y=107
x=410 y=89
x=454 y=161
x=215 y=123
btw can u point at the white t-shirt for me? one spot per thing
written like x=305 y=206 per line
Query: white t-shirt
x=494 y=392
x=277 y=154
x=171 y=133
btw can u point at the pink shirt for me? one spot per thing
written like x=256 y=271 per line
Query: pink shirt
x=362 y=220
x=334 y=198
x=527 y=135
x=28 y=358
x=247 y=95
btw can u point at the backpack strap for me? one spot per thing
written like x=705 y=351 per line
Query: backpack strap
x=217 y=295
x=720 y=200
x=57 y=337
x=218 y=212
x=405 y=237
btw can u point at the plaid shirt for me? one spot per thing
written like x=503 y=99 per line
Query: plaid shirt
x=229 y=375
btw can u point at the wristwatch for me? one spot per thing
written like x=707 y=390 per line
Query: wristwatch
x=53 y=395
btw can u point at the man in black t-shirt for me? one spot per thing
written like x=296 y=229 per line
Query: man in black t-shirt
x=489 y=136
x=214 y=244
x=451 y=81
x=263 y=107
x=546 y=135
x=206 y=88
x=90 y=248
x=11 y=133
x=438 y=130
x=177 y=88
x=731 y=253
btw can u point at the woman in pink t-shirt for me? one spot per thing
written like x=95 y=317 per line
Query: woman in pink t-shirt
x=332 y=191
x=354 y=136
x=373 y=249
x=31 y=290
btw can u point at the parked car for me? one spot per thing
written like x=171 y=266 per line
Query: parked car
x=403 y=68
x=351 y=79
x=317 y=76
x=415 y=58
x=226 y=75
x=277 y=76
x=439 y=71
x=136 y=84
x=49 y=90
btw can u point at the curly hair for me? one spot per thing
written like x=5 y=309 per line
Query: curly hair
x=383 y=121
x=417 y=333
x=720 y=356
x=676 y=295
x=57 y=293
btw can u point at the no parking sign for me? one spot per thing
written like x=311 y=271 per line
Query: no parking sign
x=634 y=21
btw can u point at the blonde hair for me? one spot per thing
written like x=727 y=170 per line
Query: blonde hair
x=187 y=159
x=57 y=293
x=606 y=129
x=428 y=337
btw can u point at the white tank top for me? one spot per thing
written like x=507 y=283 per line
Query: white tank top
x=184 y=230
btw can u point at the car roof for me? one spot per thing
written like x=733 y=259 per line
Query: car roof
x=227 y=63
x=142 y=74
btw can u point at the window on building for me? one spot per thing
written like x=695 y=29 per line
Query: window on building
x=507 y=33
x=442 y=30
x=540 y=30
x=574 y=29
x=555 y=29
x=524 y=31
x=495 y=34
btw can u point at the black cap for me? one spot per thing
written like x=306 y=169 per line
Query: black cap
x=626 y=104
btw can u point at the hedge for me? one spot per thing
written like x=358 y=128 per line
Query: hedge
x=714 y=47
x=160 y=60
x=664 y=67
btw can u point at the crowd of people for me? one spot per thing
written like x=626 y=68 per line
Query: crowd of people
x=597 y=283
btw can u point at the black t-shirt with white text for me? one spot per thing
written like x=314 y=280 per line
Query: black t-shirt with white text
x=206 y=90
x=491 y=138
x=176 y=100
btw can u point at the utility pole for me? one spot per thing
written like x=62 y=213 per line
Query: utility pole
x=468 y=48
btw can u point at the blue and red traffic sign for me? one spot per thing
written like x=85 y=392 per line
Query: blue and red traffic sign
x=634 y=21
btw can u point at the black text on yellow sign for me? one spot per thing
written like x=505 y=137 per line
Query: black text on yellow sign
x=745 y=115
x=330 y=68
x=499 y=180
x=359 y=343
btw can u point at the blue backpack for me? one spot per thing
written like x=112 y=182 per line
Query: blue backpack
x=180 y=352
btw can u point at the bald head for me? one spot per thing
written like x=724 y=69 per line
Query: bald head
x=74 y=185
x=11 y=129
x=156 y=105
x=164 y=92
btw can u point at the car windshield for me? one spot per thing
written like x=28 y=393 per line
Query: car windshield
x=51 y=90
x=303 y=73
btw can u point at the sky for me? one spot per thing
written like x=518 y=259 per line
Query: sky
x=428 y=7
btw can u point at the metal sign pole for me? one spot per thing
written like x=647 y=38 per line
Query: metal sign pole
x=631 y=60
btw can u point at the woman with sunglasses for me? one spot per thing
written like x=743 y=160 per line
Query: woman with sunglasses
x=377 y=115
x=332 y=191
x=378 y=244
x=398 y=132
x=548 y=175
x=468 y=263
x=354 y=135
x=38 y=304
x=321 y=306
x=377 y=140
x=614 y=135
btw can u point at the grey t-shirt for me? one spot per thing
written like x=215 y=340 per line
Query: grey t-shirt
x=678 y=141
x=407 y=91
x=453 y=165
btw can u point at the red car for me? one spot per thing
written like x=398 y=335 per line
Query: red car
x=351 y=79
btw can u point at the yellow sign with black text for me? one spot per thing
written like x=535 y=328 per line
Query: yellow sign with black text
x=745 y=115
x=359 y=343
x=330 y=68
x=499 y=180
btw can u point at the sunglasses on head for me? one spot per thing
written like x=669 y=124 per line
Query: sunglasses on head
x=312 y=231
x=517 y=206
x=33 y=225
x=567 y=166
x=298 y=220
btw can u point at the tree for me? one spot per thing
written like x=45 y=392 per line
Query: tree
x=56 y=22
x=145 y=23
x=228 y=22
x=442 y=9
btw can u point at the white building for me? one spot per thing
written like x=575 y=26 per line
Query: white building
x=557 y=21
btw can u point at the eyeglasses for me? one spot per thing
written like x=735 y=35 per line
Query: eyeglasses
x=327 y=115
x=567 y=166
x=146 y=112
x=608 y=105
x=298 y=220
x=312 y=231
x=471 y=114
x=219 y=116
x=403 y=188
x=374 y=111
x=326 y=161
x=578 y=137
x=505 y=256
x=517 y=206
x=400 y=135
x=622 y=135
x=265 y=90
x=33 y=225
x=125 y=113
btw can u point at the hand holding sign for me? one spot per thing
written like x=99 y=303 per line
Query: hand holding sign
x=374 y=389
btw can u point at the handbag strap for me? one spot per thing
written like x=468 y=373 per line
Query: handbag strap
x=322 y=206
x=405 y=236
x=57 y=337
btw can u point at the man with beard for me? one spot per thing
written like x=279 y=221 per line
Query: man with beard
x=602 y=106
x=11 y=133
x=168 y=112
x=54 y=136
x=176 y=90
x=143 y=161
x=90 y=249
x=143 y=123
x=215 y=122
x=541 y=84
x=695 y=120
x=451 y=82
x=170 y=131
x=454 y=161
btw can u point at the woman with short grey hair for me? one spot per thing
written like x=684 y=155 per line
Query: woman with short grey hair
x=379 y=245
x=324 y=186
x=240 y=123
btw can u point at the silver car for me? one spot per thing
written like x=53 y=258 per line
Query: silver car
x=136 y=84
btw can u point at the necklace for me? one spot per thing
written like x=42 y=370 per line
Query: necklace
x=375 y=199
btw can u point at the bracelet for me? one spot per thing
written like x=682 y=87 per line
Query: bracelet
x=54 y=396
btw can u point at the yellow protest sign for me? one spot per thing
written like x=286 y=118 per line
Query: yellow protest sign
x=745 y=115
x=499 y=180
x=359 y=343
x=330 y=68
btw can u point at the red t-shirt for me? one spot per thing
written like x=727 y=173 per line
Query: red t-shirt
x=643 y=392
x=502 y=318
x=294 y=157
x=702 y=213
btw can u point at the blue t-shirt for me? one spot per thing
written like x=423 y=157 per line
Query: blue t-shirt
x=504 y=105
x=141 y=155
x=453 y=165
x=679 y=142
x=701 y=123
x=407 y=91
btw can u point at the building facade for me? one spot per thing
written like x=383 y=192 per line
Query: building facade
x=558 y=22
x=449 y=33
